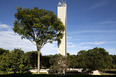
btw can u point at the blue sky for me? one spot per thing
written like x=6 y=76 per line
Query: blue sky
x=90 y=23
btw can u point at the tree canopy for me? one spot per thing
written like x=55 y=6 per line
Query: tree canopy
x=32 y=55
x=95 y=59
x=38 y=25
x=3 y=51
x=16 y=61
x=73 y=60
x=19 y=61
x=113 y=61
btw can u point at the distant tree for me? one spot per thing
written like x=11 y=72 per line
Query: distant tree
x=81 y=52
x=113 y=61
x=73 y=60
x=39 y=26
x=45 y=61
x=16 y=61
x=19 y=61
x=82 y=59
x=95 y=59
x=5 y=62
x=3 y=51
x=59 y=64
x=32 y=55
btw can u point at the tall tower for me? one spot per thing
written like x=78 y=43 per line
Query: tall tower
x=62 y=8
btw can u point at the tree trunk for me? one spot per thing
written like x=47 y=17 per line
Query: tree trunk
x=38 y=69
x=14 y=72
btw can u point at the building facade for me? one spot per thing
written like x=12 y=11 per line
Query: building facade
x=62 y=15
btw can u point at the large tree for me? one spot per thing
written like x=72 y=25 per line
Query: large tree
x=39 y=26
x=95 y=59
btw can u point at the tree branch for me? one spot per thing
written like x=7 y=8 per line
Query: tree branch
x=33 y=43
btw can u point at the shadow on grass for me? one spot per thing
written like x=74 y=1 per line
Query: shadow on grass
x=112 y=72
x=51 y=75
x=75 y=73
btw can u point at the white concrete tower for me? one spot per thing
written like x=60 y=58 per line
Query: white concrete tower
x=62 y=8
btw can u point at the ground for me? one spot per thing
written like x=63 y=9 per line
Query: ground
x=45 y=75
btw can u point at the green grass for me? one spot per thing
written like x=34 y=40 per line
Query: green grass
x=111 y=70
x=43 y=73
x=1 y=73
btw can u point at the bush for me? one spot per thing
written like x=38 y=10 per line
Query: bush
x=59 y=64
x=16 y=61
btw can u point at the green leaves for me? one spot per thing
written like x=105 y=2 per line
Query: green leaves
x=32 y=57
x=4 y=62
x=3 y=51
x=94 y=59
x=73 y=60
x=15 y=60
x=38 y=25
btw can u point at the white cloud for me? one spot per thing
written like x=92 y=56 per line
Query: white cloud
x=49 y=49
x=70 y=45
x=108 y=22
x=68 y=37
x=98 y=5
x=92 y=43
x=84 y=47
x=111 y=51
x=3 y=26
x=91 y=31
x=9 y=40
x=77 y=48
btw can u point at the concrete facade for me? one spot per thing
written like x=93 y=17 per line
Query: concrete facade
x=62 y=8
